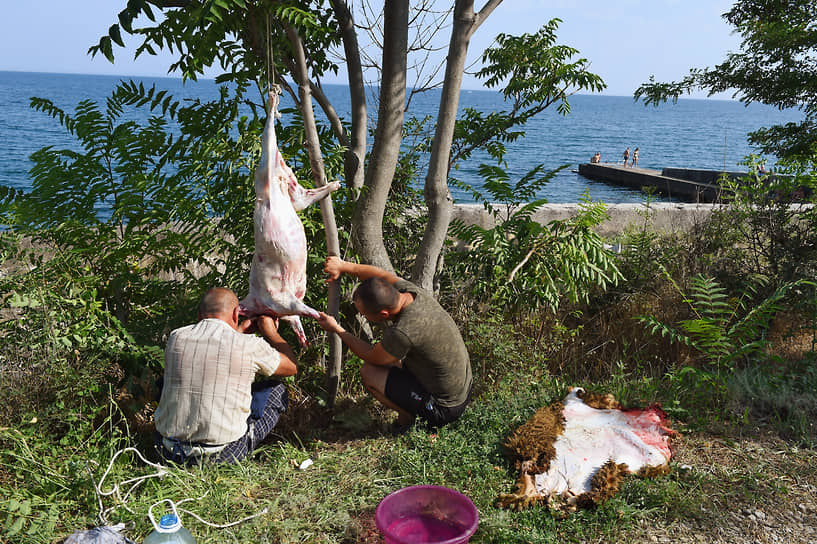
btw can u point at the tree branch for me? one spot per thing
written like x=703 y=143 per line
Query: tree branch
x=313 y=147
x=483 y=14
x=356 y=152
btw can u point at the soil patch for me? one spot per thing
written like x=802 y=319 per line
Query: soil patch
x=760 y=489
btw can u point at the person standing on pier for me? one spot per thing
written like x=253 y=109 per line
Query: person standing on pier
x=626 y=156
x=635 y=158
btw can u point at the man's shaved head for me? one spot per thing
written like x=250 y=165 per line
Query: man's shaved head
x=217 y=302
x=376 y=294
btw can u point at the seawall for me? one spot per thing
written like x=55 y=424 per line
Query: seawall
x=662 y=216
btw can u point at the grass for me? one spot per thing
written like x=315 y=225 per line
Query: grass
x=73 y=394
x=333 y=500
x=782 y=396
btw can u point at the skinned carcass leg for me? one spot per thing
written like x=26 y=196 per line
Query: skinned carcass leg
x=278 y=270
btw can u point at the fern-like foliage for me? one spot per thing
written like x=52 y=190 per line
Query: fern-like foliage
x=155 y=199
x=520 y=263
x=725 y=329
x=135 y=202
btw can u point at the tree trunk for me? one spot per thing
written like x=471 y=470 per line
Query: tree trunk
x=437 y=196
x=367 y=232
x=356 y=153
x=313 y=147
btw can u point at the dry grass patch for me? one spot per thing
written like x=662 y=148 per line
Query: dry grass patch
x=749 y=489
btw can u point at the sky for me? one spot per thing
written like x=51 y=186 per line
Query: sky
x=625 y=41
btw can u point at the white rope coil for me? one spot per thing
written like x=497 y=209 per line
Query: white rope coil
x=121 y=494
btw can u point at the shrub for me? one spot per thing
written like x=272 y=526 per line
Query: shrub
x=773 y=219
x=727 y=331
x=520 y=264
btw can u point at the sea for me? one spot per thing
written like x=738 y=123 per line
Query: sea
x=692 y=133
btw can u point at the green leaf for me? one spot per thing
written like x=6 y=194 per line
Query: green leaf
x=107 y=50
x=126 y=20
x=16 y=527
x=113 y=32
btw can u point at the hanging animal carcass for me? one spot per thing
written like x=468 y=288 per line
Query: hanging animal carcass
x=278 y=270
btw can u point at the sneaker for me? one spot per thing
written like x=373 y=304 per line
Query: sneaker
x=396 y=429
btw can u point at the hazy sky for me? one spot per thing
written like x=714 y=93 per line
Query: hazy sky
x=626 y=41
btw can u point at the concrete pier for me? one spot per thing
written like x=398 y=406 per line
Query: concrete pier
x=687 y=185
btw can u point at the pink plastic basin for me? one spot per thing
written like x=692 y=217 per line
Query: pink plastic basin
x=426 y=514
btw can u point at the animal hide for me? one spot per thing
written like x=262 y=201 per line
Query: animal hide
x=278 y=270
x=575 y=453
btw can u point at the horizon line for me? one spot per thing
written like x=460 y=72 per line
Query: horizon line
x=340 y=84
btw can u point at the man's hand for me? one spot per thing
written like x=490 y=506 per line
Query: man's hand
x=333 y=267
x=329 y=324
x=258 y=324
x=247 y=326
x=267 y=326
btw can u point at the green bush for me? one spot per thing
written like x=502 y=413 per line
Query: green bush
x=519 y=263
x=727 y=331
x=773 y=223
x=61 y=345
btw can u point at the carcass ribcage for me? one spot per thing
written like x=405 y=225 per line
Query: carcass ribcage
x=278 y=272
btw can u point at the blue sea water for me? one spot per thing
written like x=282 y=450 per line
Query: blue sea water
x=694 y=133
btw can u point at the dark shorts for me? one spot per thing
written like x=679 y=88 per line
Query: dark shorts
x=403 y=389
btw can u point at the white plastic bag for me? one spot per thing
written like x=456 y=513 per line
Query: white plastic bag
x=108 y=534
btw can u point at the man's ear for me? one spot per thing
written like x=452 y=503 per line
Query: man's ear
x=385 y=314
x=235 y=316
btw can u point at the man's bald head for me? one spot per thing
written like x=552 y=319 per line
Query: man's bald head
x=218 y=302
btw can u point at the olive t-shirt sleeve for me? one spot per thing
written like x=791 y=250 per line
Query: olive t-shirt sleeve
x=395 y=342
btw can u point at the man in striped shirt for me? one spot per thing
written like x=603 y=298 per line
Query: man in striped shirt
x=209 y=406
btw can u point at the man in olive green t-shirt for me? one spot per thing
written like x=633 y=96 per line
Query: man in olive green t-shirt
x=421 y=367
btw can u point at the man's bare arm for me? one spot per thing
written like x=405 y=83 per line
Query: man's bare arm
x=335 y=267
x=372 y=354
x=268 y=329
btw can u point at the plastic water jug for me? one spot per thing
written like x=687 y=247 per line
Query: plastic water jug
x=169 y=530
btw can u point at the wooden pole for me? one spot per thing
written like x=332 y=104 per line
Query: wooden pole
x=313 y=147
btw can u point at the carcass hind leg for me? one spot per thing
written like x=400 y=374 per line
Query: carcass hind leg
x=295 y=322
x=285 y=303
x=302 y=197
